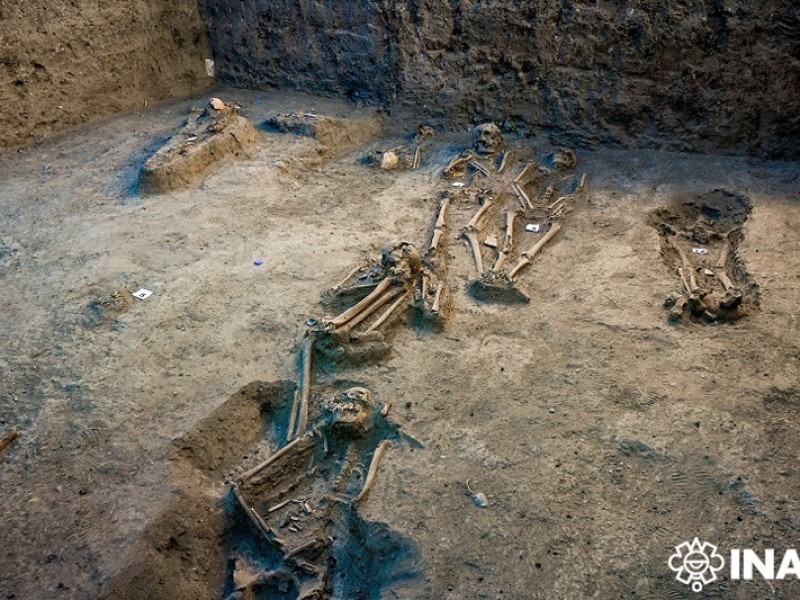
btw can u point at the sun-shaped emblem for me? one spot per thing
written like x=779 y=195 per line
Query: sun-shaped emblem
x=696 y=564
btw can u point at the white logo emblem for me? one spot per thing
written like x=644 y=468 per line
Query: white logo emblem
x=696 y=564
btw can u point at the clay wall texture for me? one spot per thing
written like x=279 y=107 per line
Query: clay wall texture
x=65 y=62
x=696 y=75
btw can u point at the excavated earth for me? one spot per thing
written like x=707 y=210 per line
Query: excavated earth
x=601 y=433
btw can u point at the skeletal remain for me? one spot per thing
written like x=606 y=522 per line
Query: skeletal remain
x=437 y=298
x=351 y=412
x=503 y=162
x=488 y=139
x=479 y=167
x=373 y=471
x=527 y=257
x=354 y=310
x=525 y=201
x=688 y=270
x=305 y=384
x=382 y=319
x=459 y=161
x=522 y=173
x=374 y=306
x=389 y=161
x=248 y=475
x=470 y=233
x=722 y=261
x=439 y=227
x=417 y=158
x=548 y=194
x=339 y=286
x=581 y=184
x=293 y=416
x=508 y=242
x=490 y=241
x=561 y=160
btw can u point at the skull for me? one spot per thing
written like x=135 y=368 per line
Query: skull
x=403 y=259
x=561 y=160
x=352 y=411
x=487 y=139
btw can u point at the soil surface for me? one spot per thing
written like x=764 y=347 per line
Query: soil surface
x=567 y=444
x=66 y=62
x=698 y=75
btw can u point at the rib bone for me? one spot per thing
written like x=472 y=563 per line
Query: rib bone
x=527 y=257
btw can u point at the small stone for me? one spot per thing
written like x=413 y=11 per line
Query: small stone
x=480 y=500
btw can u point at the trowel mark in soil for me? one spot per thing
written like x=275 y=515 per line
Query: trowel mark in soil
x=205 y=545
x=700 y=238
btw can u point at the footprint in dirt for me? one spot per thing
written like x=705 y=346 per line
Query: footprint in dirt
x=700 y=237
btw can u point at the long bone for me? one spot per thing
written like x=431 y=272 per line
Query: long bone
x=357 y=308
x=417 y=158
x=522 y=173
x=437 y=298
x=350 y=275
x=503 y=162
x=382 y=319
x=527 y=257
x=687 y=266
x=470 y=233
x=352 y=323
x=260 y=524
x=439 y=227
x=305 y=386
x=508 y=242
x=722 y=265
x=460 y=160
x=373 y=471
x=479 y=167
x=525 y=201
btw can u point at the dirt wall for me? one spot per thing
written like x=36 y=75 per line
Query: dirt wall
x=695 y=75
x=65 y=62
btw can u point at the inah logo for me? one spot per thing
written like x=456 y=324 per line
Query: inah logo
x=696 y=564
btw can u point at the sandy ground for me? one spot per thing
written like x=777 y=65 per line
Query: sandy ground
x=601 y=434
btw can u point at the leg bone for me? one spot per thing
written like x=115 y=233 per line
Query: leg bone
x=527 y=258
